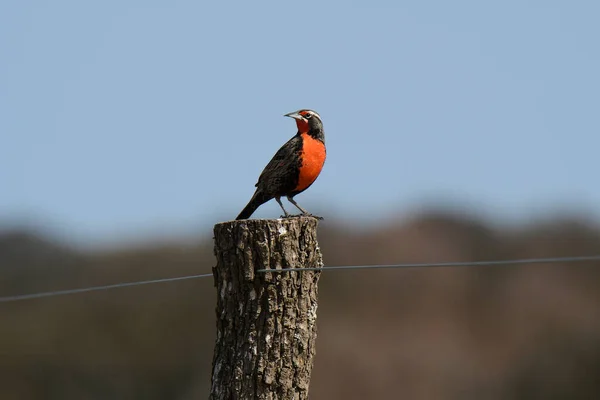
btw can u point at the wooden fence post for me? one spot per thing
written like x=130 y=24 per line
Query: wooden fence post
x=266 y=322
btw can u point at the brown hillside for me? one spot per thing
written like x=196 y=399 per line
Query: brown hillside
x=518 y=332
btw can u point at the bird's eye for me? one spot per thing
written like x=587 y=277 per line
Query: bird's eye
x=307 y=115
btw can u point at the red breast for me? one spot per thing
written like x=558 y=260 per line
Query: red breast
x=313 y=156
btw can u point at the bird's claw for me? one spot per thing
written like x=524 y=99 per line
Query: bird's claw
x=288 y=216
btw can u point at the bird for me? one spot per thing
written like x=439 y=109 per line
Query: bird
x=295 y=166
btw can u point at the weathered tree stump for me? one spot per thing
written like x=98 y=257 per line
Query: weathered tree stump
x=266 y=322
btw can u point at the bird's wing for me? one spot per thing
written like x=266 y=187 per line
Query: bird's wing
x=281 y=173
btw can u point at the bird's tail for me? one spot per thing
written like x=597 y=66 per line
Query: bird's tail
x=256 y=200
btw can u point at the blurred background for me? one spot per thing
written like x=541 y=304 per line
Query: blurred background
x=456 y=131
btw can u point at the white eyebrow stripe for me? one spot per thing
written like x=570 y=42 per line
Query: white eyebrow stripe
x=314 y=113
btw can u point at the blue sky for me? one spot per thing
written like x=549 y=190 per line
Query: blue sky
x=123 y=120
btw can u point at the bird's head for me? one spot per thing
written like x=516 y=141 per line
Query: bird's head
x=308 y=121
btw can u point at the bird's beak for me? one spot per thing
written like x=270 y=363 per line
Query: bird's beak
x=294 y=115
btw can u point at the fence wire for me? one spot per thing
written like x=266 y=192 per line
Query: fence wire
x=523 y=261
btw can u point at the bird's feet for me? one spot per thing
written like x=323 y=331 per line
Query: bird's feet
x=313 y=216
x=301 y=215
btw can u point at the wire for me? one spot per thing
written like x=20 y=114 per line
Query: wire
x=446 y=264
x=8 y=299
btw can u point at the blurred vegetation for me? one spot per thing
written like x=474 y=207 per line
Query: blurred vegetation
x=517 y=332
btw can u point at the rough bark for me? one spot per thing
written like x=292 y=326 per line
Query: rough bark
x=266 y=322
